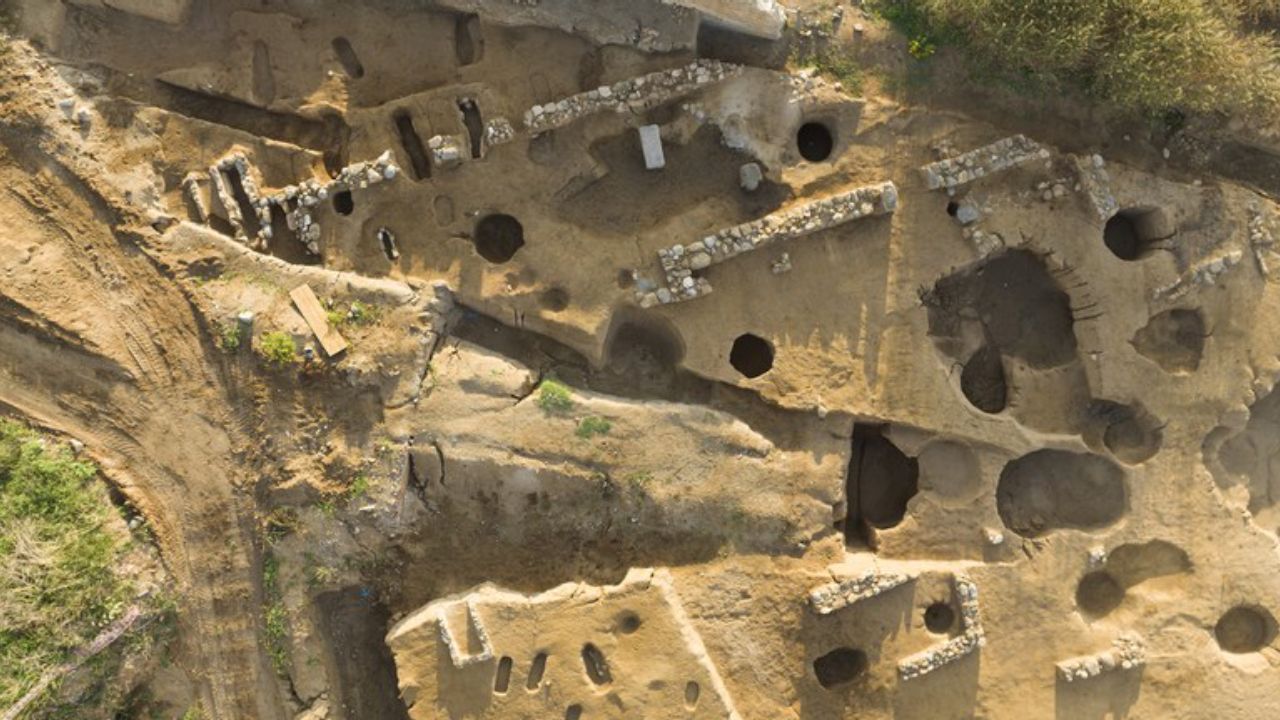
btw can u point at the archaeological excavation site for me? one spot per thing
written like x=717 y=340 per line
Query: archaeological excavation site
x=639 y=359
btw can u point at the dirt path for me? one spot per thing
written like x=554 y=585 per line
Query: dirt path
x=97 y=343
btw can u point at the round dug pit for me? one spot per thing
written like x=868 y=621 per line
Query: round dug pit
x=1098 y=594
x=839 y=666
x=1244 y=629
x=1051 y=490
x=815 y=141
x=498 y=237
x=751 y=355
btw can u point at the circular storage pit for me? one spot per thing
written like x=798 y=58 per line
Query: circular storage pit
x=498 y=237
x=839 y=666
x=1244 y=629
x=1098 y=594
x=1133 y=233
x=343 y=203
x=939 y=618
x=815 y=141
x=751 y=355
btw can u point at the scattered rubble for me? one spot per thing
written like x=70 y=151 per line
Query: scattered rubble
x=1207 y=272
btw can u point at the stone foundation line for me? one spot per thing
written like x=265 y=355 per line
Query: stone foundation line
x=970 y=638
x=1127 y=652
x=297 y=201
x=826 y=599
x=679 y=262
x=634 y=95
x=987 y=160
x=455 y=644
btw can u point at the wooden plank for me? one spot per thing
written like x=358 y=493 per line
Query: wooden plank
x=313 y=312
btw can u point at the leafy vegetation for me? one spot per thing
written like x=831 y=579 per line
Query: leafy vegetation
x=834 y=62
x=278 y=348
x=275 y=619
x=1142 y=56
x=358 y=487
x=355 y=313
x=58 y=586
x=229 y=335
x=589 y=427
x=554 y=397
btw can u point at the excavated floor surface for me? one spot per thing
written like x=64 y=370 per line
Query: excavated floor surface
x=954 y=458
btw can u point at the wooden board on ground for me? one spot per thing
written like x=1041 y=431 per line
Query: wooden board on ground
x=313 y=312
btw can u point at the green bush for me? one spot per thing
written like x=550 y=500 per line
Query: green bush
x=229 y=336
x=554 y=397
x=278 y=348
x=58 y=587
x=1144 y=56
x=589 y=427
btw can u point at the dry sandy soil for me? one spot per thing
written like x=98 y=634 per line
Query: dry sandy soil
x=1007 y=450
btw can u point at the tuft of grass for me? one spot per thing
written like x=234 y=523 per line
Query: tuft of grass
x=58 y=560
x=278 y=348
x=591 y=426
x=358 y=487
x=554 y=397
x=281 y=522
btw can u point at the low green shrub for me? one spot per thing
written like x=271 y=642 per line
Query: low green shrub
x=589 y=427
x=278 y=348
x=554 y=397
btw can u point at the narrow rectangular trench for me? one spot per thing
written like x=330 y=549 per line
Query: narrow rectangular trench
x=475 y=124
x=249 y=215
x=412 y=144
x=881 y=480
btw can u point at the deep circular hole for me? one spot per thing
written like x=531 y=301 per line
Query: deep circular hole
x=815 y=141
x=343 y=203
x=1131 y=234
x=751 y=355
x=1244 y=629
x=953 y=207
x=628 y=623
x=498 y=237
x=554 y=299
x=1098 y=593
x=839 y=666
x=939 y=618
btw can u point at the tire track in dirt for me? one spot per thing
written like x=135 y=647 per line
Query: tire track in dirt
x=135 y=384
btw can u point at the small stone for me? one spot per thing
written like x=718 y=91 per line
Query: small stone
x=749 y=176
